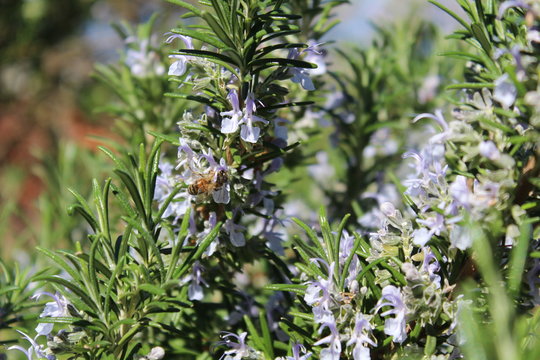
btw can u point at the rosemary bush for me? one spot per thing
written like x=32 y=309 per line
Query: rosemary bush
x=200 y=240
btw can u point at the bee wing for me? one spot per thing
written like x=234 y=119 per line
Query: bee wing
x=222 y=195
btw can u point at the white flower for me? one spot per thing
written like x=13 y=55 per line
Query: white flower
x=141 y=60
x=489 y=150
x=238 y=350
x=56 y=308
x=195 y=290
x=296 y=349
x=461 y=237
x=244 y=119
x=34 y=348
x=421 y=236
x=178 y=68
x=394 y=327
x=235 y=233
x=333 y=351
x=360 y=338
x=505 y=91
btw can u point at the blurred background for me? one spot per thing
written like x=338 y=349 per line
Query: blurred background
x=49 y=101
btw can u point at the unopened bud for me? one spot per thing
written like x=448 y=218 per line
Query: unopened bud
x=388 y=209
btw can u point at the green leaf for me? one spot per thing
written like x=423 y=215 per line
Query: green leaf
x=58 y=320
x=133 y=191
x=313 y=237
x=479 y=32
x=298 y=289
x=220 y=32
x=267 y=338
x=8 y=288
x=152 y=289
x=308 y=317
x=269 y=62
x=518 y=259
x=254 y=334
x=205 y=37
x=451 y=13
x=84 y=209
x=71 y=286
x=214 y=57
x=460 y=86
x=172 y=139
x=59 y=261
x=289 y=104
x=271 y=48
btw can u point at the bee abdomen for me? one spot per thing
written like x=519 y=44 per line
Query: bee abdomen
x=193 y=189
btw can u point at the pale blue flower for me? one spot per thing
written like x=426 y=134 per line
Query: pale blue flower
x=315 y=55
x=360 y=338
x=179 y=66
x=394 y=327
x=56 y=308
x=245 y=119
x=238 y=350
x=34 y=348
x=249 y=132
x=301 y=76
x=505 y=91
x=319 y=294
x=421 y=236
x=231 y=119
x=235 y=233
x=195 y=290
x=461 y=237
x=165 y=184
x=296 y=349
x=489 y=150
x=510 y=4
x=439 y=118
x=333 y=351
x=141 y=60
x=346 y=246
x=431 y=266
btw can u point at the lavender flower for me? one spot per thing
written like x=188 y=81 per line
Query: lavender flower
x=231 y=119
x=461 y=237
x=346 y=246
x=505 y=91
x=179 y=66
x=235 y=233
x=510 y=4
x=56 y=308
x=333 y=351
x=195 y=290
x=393 y=326
x=249 y=132
x=360 y=338
x=165 y=184
x=244 y=119
x=296 y=349
x=300 y=75
x=238 y=350
x=315 y=55
x=430 y=265
x=489 y=150
x=197 y=166
x=34 y=348
x=142 y=61
x=319 y=293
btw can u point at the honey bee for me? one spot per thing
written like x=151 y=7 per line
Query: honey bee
x=206 y=184
x=347 y=297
